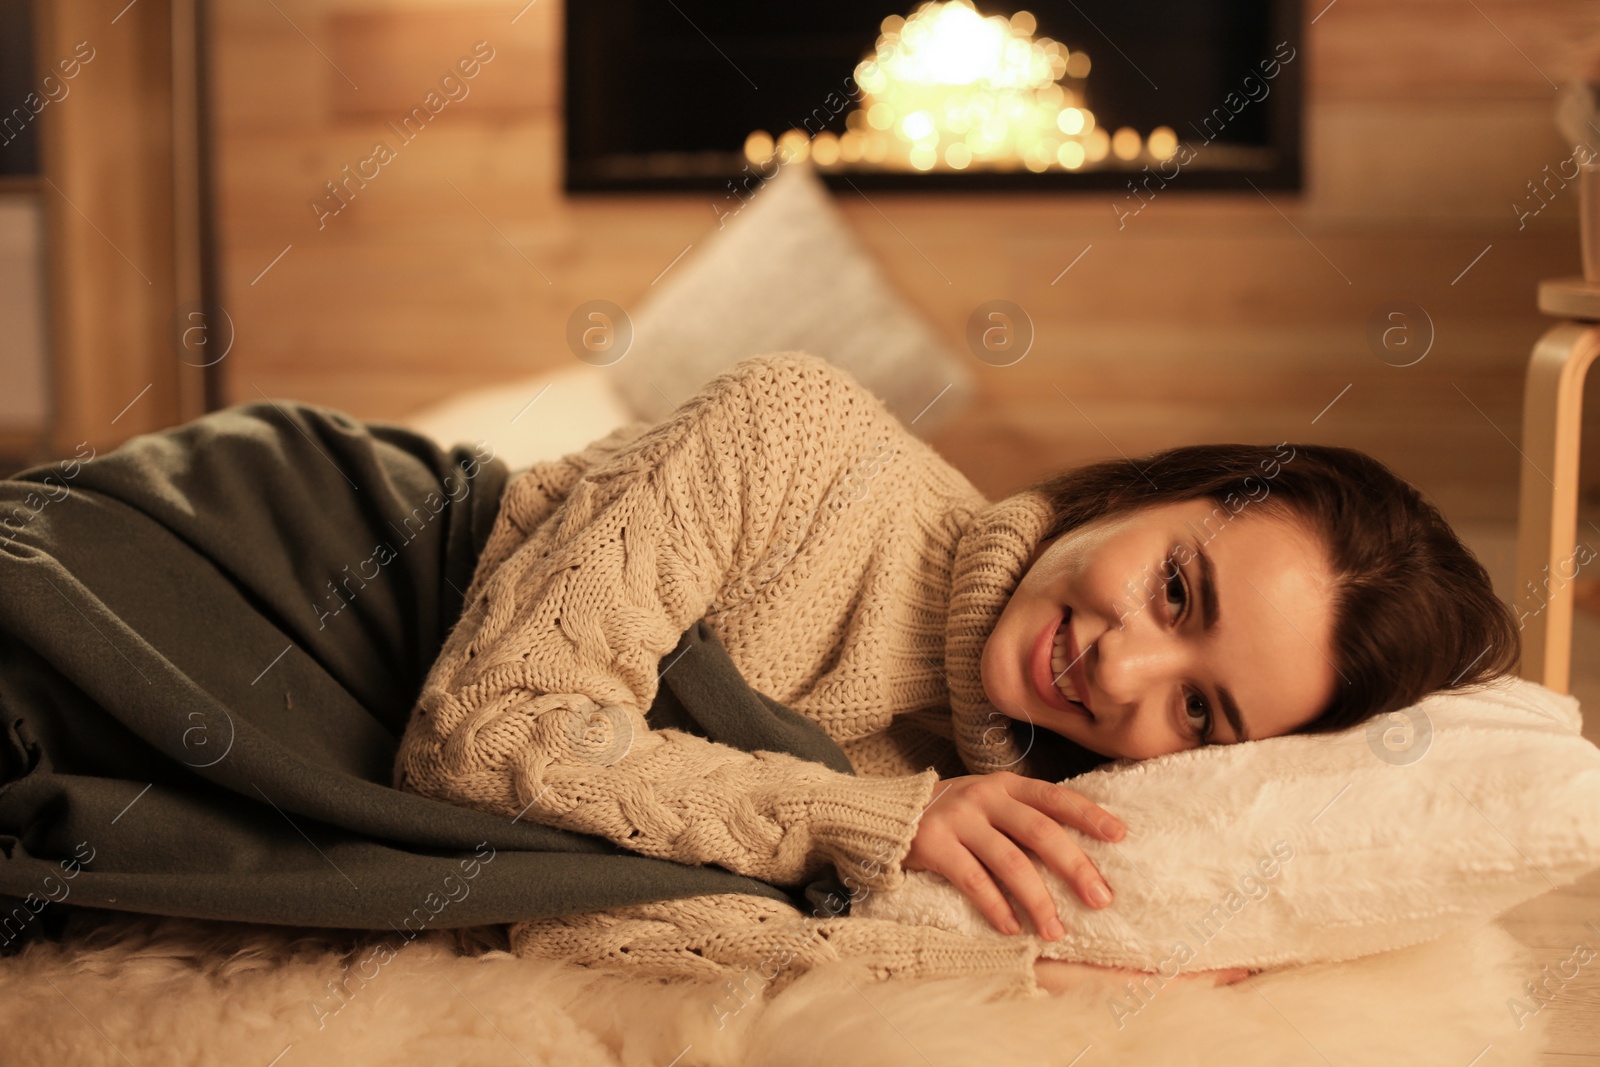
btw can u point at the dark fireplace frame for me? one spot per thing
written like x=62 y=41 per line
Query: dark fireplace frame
x=1275 y=164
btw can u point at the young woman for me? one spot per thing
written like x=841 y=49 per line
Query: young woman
x=1346 y=594
x=967 y=655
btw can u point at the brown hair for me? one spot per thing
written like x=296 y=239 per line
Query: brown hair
x=1414 y=610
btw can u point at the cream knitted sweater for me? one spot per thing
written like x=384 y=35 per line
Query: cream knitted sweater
x=850 y=572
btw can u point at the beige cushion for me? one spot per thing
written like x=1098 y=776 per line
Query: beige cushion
x=785 y=273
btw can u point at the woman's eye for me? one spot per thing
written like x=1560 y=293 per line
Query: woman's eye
x=1202 y=727
x=1175 y=592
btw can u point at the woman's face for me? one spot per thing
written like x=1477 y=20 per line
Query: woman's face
x=1175 y=612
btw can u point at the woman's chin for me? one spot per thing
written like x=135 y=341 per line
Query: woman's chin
x=1024 y=705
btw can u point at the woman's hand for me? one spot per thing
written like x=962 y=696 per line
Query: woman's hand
x=970 y=831
x=1057 y=975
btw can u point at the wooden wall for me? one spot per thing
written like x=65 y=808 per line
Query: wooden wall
x=107 y=189
x=1206 y=317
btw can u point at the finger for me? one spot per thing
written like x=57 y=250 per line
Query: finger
x=1047 y=839
x=963 y=870
x=1012 y=867
x=1072 y=808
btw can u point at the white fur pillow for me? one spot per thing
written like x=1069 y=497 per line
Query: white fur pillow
x=1303 y=849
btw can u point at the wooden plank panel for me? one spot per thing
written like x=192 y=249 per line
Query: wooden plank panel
x=1269 y=281
x=1469 y=471
x=271 y=79
x=1488 y=50
x=276 y=185
x=397 y=56
x=1438 y=162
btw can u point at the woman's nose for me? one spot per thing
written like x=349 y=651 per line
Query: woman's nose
x=1138 y=664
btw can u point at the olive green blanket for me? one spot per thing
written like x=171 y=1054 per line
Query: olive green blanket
x=211 y=639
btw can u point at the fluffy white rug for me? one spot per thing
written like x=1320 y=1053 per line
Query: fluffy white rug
x=143 y=991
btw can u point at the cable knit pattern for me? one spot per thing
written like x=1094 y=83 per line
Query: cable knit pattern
x=822 y=542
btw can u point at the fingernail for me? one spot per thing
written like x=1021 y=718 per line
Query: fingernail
x=1054 y=931
x=1012 y=927
x=1099 y=894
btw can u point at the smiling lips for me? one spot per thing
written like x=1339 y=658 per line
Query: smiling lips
x=1054 y=656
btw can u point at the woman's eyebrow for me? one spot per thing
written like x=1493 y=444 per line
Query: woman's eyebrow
x=1208 y=588
x=1231 y=710
x=1209 y=612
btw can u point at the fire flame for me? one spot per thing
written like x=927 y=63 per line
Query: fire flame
x=950 y=88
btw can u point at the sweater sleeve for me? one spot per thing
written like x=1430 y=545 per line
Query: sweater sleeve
x=757 y=944
x=535 y=707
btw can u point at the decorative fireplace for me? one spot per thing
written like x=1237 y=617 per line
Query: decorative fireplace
x=947 y=94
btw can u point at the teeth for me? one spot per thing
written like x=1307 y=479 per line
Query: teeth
x=1058 y=665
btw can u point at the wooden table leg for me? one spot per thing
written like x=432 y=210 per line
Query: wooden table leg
x=1548 y=555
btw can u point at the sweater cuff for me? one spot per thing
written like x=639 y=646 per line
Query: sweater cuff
x=926 y=952
x=1015 y=957
x=865 y=826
